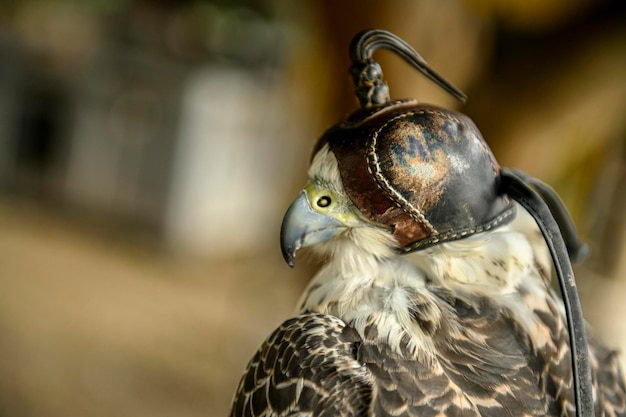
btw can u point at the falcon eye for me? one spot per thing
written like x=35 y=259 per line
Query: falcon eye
x=324 y=201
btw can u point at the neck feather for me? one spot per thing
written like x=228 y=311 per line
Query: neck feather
x=366 y=282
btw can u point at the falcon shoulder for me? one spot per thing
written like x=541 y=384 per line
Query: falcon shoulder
x=307 y=367
x=483 y=364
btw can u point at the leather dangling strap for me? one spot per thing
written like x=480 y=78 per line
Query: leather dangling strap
x=544 y=206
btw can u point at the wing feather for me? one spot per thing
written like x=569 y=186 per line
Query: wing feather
x=316 y=365
x=488 y=367
x=307 y=366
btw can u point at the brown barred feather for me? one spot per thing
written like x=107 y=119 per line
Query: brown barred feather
x=316 y=365
x=308 y=366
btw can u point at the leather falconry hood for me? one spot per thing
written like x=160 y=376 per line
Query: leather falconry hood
x=427 y=174
x=423 y=171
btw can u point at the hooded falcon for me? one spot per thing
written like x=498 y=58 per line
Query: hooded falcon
x=435 y=298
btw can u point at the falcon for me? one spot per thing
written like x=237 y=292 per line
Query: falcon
x=435 y=298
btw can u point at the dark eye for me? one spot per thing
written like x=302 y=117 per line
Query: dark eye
x=324 y=201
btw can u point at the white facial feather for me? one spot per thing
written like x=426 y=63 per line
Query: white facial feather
x=324 y=168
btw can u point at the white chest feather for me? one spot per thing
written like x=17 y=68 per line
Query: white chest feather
x=390 y=291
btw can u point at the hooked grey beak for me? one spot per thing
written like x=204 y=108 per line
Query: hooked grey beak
x=302 y=226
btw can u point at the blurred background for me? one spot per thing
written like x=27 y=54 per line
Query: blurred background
x=148 y=150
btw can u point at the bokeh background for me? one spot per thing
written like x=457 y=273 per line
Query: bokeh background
x=148 y=150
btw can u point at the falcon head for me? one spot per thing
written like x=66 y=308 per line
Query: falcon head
x=322 y=212
x=396 y=177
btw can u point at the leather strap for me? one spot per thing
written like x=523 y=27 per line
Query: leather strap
x=518 y=186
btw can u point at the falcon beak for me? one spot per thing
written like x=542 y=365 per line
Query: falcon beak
x=302 y=226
